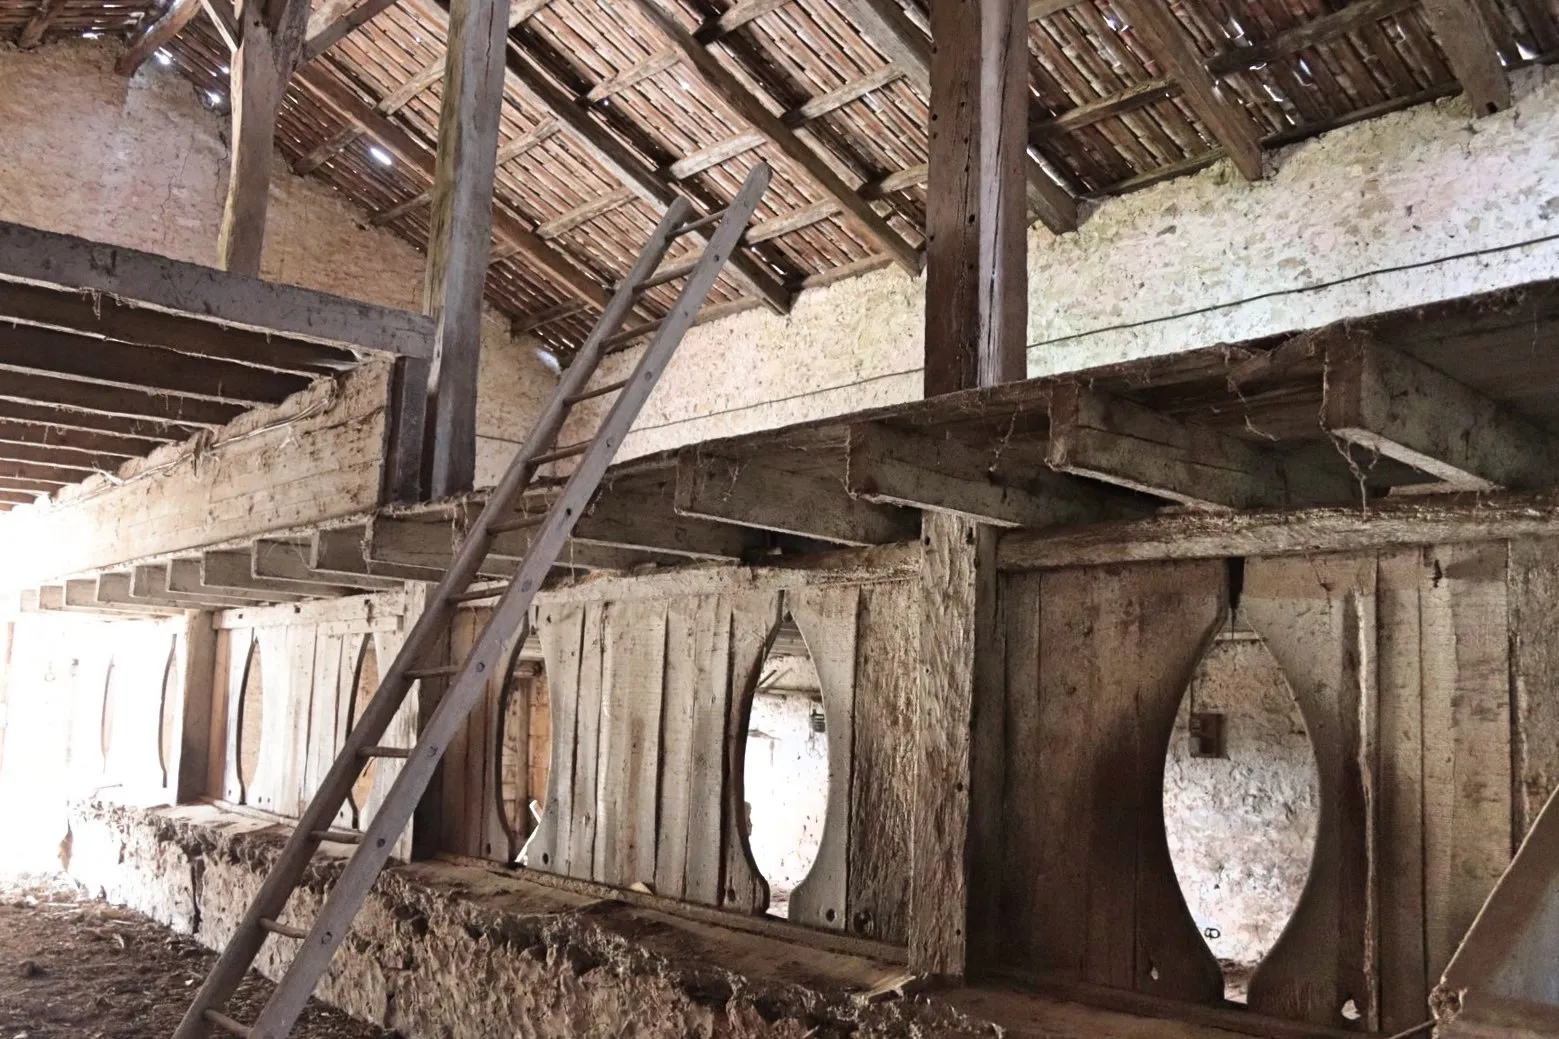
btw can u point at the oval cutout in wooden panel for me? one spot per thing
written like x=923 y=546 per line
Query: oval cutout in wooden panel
x=365 y=682
x=524 y=742
x=1241 y=802
x=168 y=714
x=251 y=718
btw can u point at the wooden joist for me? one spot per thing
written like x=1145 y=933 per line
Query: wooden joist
x=148 y=586
x=61 y=421
x=45 y=435
x=116 y=400
x=1464 y=35
x=13 y=496
x=330 y=23
x=725 y=85
x=891 y=32
x=29 y=487
x=1111 y=439
x=187 y=577
x=343 y=551
x=410 y=152
x=144 y=367
x=273 y=561
x=51 y=474
x=460 y=234
x=753 y=492
x=66 y=458
x=938 y=474
x=425 y=543
x=1161 y=34
x=234 y=568
x=81 y=594
x=1387 y=402
x=204 y=294
x=1357 y=15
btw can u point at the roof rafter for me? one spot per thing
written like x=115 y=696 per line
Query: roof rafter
x=1468 y=42
x=157 y=35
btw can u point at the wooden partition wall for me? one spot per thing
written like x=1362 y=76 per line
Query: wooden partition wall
x=650 y=701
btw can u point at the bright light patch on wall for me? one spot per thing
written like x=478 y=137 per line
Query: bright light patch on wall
x=214 y=97
x=163 y=58
x=380 y=156
x=550 y=359
x=90 y=35
x=224 y=69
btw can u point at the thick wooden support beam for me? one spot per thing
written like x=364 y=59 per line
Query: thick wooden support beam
x=976 y=254
x=197 y=690
x=891 y=31
x=725 y=85
x=42 y=17
x=330 y=23
x=78 y=265
x=511 y=231
x=144 y=367
x=752 y=492
x=344 y=551
x=650 y=524
x=157 y=35
x=270 y=45
x=1161 y=33
x=190 y=412
x=1393 y=404
x=910 y=468
x=460 y=233
x=1111 y=439
x=1469 y=44
x=223 y=20
x=277 y=560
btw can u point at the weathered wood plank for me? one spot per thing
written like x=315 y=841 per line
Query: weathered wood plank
x=754 y=619
x=706 y=777
x=157 y=34
x=827 y=619
x=1465 y=37
x=684 y=617
x=561 y=628
x=586 y=796
x=632 y=678
x=1534 y=647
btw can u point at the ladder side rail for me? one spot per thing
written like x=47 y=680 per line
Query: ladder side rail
x=510 y=619
x=277 y=888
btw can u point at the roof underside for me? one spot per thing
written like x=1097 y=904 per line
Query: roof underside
x=1105 y=117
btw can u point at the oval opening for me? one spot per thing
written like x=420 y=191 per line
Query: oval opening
x=167 y=712
x=365 y=682
x=251 y=716
x=785 y=777
x=1241 y=802
x=524 y=753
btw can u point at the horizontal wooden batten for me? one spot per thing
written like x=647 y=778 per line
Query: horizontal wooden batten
x=204 y=294
x=64 y=457
x=47 y=435
x=62 y=419
x=81 y=395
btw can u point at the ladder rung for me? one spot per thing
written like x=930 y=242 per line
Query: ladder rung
x=703 y=221
x=226 y=1023
x=268 y=924
x=433 y=672
x=599 y=391
x=385 y=752
x=517 y=523
x=630 y=334
x=480 y=593
x=337 y=836
x=666 y=276
x=561 y=453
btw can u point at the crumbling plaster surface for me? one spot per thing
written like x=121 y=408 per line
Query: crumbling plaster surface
x=1422 y=205
x=143 y=163
x=455 y=952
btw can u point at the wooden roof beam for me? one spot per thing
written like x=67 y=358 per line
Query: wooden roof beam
x=347 y=106
x=118 y=400
x=1357 y=15
x=730 y=89
x=58 y=421
x=937 y=474
x=75 y=439
x=63 y=457
x=332 y=22
x=31 y=487
x=77 y=265
x=1114 y=440
x=13 y=496
x=1465 y=37
x=1165 y=39
x=752 y=492
x=891 y=31
x=38 y=24
x=156 y=35
x=53 y=474
x=1387 y=402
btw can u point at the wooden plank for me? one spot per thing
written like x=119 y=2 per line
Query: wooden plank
x=85 y=463
x=632 y=683
x=1464 y=35
x=460 y=232
x=57 y=476
x=270 y=44
x=1114 y=440
x=624 y=520
x=149 y=585
x=827 y=619
x=754 y=618
x=742 y=101
x=158 y=33
x=713 y=691
x=1534 y=647
x=73 y=264
x=64 y=354
x=1467 y=740
x=561 y=628
x=750 y=493
x=121 y=401
x=882 y=776
x=331 y=24
x=75 y=439
x=1315 y=615
x=1162 y=35
x=342 y=550
x=905 y=467
x=199 y=683
x=586 y=793
x=684 y=617
x=61 y=420
x=1399 y=831
x=976 y=249
x=1387 y=402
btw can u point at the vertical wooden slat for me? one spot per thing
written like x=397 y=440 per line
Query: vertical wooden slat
x=676 y=745
x=1534 y=634
x=561 y=630
x=712 y=693
x=754 y=619
x=581 y=861
x=199 y=683
x=632 y=673
x=827 y=618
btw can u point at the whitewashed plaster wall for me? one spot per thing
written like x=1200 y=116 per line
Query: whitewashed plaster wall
x=143 y=163
x=1410 y=208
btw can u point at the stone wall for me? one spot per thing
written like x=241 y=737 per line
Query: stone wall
x=455 y=952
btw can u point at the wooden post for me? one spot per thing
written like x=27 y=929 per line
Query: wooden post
x=976 y=263
x=196 y=693
x=976 y=312
x=270 y=43
x=460 y=232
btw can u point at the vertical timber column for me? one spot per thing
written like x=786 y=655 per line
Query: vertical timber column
x=976 y=315
x=198 y=642
x=460 y=233
x=270 y=44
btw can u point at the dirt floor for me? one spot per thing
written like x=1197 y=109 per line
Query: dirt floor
x=76 y=968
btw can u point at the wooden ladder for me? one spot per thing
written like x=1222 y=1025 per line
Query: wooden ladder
x=508 y=626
